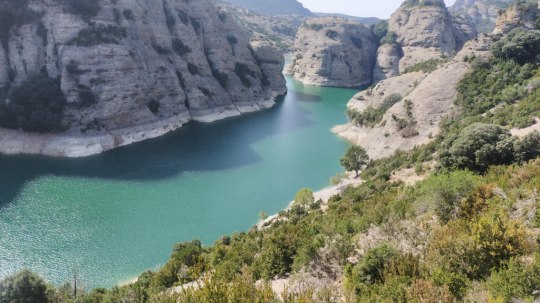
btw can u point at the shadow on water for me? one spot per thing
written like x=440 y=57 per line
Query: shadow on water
x=195 y=147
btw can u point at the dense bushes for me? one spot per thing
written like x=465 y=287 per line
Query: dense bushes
x=36 y=105
x=23 y=287
x=520 y=46
x=480 y=145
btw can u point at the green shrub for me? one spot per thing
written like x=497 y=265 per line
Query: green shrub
x=36 y=105
x=380 y=30
x=99 y=34
x=371 y=268
x=153 y=106
x=446 y=191
x=371 y=117
x=477 y=147
x=520 y=46
x=390 y=38
x=304 y=197
x=516 y=281
x=193 y=69
x=179 y=47
x=427 y=66
x=23 y=287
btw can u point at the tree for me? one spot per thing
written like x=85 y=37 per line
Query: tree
x=23 y=287
x=304 y=197
x=477 y=147
x=354 y=159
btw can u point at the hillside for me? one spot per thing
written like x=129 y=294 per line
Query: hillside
x=279 y=31
x=365 y=20
x=483 y=13
x=79 y=77
x=274 y=8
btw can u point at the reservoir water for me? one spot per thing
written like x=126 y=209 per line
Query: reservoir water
x=112 y=216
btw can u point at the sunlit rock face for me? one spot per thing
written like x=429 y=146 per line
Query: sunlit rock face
x=334 y=52
x=135 y=69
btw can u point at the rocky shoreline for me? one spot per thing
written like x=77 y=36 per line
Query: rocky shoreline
x=73 y=145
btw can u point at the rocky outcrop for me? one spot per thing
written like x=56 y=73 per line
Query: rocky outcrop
x=387 y=65
x=521 y=15
x=425 y=30
x=482 y=13
x=425 y=100
x=132 y=70
x=334 y=52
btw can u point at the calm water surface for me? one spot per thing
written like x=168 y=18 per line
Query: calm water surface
x=112 y=216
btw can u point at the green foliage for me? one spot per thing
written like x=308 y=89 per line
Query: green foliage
x=153 y=106
x=85 y=8
x=179 y=47
x=516 y=281
x=36 y=105
x=390 y=38
x=23 y=287
x=480 y=145
x=193 y=69
x=370 y=269
x=427 y=66
x=380 y=30
x=304 y=197
x=355 y=159
x=446 y=192
x=99 y=34
x=371 y=116
x=521 y=46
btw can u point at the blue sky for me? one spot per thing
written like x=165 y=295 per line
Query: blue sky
x=360 y=8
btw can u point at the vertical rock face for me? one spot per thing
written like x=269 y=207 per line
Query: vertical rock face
x=426 y=30
x=334 y=52
x=150 y=65
x=521 y=15
x=387 y=65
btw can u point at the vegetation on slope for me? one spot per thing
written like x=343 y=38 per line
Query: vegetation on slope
x=468 y=232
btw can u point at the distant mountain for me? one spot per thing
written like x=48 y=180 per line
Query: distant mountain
x=483 y=13
x=274 y=7
x=365 y=20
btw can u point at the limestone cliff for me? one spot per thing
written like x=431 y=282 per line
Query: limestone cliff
x=333 y=51
x=520 y=15
x=424 y=29
x=482 y=13
x=128 y=70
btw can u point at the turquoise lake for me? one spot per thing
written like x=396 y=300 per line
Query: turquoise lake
x=112 y=216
